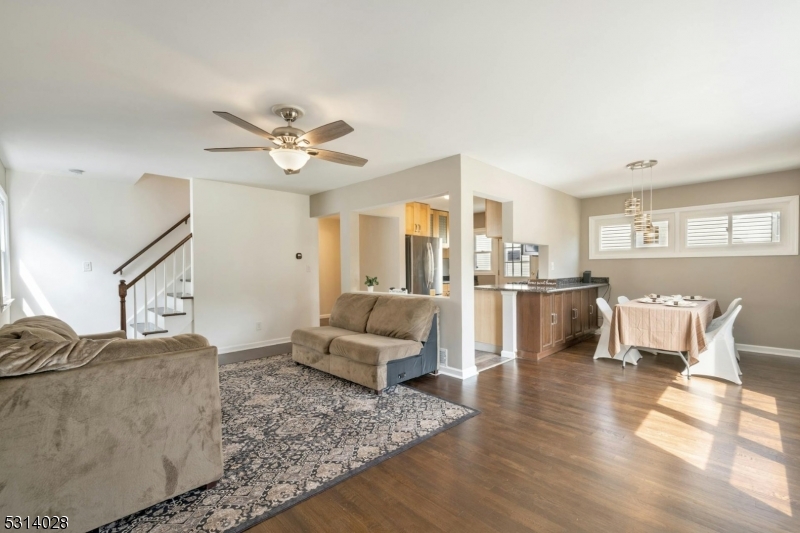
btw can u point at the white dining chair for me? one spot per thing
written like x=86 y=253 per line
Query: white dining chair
x=715 y=323
x=623 y=299
x=718 y=359
x=627 y=354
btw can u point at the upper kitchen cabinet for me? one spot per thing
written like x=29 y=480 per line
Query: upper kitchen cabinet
x=494 y=219
x=418 y=219
x=440 y=226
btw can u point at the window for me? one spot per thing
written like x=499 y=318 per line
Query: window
x=707 y=231
x=483 y=253
x=752 y=227
x=755 y=228
x=615 y=237
x=516 y=265
x=5 y=258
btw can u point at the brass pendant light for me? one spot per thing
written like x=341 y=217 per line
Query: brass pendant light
x=633 y=205
x=650 y=236
x=642 y=221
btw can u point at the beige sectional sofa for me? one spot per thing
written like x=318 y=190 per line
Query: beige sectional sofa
x=137 y=423
x=374 y=340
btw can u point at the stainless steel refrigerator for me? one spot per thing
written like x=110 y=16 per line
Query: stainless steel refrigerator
x=423 y=264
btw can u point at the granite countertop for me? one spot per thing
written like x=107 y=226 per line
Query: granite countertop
x=524 y=287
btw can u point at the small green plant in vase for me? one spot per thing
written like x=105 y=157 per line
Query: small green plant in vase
x=371 y=283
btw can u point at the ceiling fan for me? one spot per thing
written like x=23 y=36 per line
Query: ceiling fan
x=294 y=146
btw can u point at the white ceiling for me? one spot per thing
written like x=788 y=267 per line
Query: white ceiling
x=562 y=92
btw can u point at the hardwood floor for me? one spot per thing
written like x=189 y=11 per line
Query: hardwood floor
x=572 y=444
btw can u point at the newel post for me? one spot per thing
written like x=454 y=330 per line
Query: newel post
x=123 y=293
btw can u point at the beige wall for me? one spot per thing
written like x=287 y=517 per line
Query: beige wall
x=330 y=267
x=5 y=314
x=58 y=221
x=379 y=251
x=245 y=269
x=768 y=284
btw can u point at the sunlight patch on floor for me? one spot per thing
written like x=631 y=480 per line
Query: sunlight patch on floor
x=760 y=430
x=756 y=400
x=762 y=478
x=682 y=440
x=696 y=406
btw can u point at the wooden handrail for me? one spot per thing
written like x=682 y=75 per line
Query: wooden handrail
x=184 y=220
x=123 y=286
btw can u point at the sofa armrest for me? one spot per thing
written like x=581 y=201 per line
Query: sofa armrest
x=134 y=348
x=118 y=334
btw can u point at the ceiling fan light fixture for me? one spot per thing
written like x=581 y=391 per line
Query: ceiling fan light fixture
x=289 y=158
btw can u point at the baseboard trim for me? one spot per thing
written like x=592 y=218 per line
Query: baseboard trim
x=253 y=345
x=768 y=350
x=322 y=317
x=255 y=353
x=458 y=373
x=486 y=347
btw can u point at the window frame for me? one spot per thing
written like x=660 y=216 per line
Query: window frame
x=787 y=206
x=514 y=246
x=475 y=252
x=5 y=255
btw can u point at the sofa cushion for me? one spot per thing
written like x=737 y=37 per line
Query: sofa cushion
x=374 y=349
x=50 y=323
x=318 y=339
x=402 y=317
x=351 y=311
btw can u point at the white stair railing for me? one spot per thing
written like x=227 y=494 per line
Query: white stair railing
x=148 y=283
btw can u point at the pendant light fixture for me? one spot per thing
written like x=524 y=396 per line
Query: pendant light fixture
x=650 y=236
x=642 y=221
x=633 y=205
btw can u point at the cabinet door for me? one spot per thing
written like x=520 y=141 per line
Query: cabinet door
x=560 y=319
x=494 y=219
x=424 y=221
x=442 y=221
x=593 y=312
x=411 y=224
x=584 y=311
x=568 y=315
x=547 y=319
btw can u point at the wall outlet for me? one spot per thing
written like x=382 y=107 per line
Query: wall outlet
x=442 y=357
x=552 y=265
x=87 y=266
x=258 y=326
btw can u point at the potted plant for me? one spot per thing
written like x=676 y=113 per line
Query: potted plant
x=371 y=282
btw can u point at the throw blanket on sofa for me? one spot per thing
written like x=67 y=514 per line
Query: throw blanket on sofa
x=42 y=343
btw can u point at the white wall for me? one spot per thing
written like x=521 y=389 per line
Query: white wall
x=59 y=221
x=5 y=314
x=245 y=271
x=537 y=215
x=379 y=239
x=532 y=213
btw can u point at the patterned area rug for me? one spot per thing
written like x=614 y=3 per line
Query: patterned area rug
x=289 y=432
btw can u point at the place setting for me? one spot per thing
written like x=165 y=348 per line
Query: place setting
x=675 y=300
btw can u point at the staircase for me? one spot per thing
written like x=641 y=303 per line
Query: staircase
x=159 y=302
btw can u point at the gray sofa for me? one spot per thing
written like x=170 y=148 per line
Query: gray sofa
x=374 y=340
x=137 y=424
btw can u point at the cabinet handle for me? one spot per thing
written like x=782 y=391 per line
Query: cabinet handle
x=554 y=319
x=591 y=309
x=575 y=313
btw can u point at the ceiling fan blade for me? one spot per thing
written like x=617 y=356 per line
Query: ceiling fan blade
x=233 y=119
x=337 y=157
x=240 y=149
x=288 y=172
x=325 y=133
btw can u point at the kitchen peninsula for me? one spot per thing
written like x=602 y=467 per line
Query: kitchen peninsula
x=542 y=317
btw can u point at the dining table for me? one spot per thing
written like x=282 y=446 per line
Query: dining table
x=663 y=327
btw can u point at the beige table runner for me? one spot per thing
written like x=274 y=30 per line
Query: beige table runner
x=661 y=327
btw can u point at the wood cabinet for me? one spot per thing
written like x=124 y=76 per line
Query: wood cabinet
x=494 y=219
x=418 y=219
x=549 y=322
x=440 y=226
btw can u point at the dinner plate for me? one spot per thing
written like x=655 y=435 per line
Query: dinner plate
x=646 y=300
x=695 y=299
x=680 y=304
